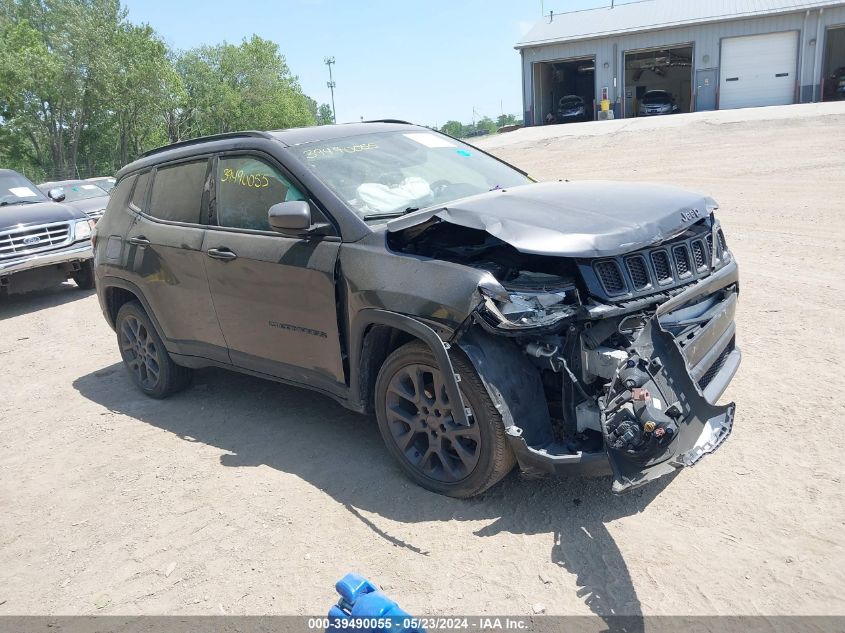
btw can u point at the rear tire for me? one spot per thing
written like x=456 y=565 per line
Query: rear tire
x=144 y=355
x=415 y=420
x=84 y=277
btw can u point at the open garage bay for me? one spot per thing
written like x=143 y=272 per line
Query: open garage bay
x=668 y=69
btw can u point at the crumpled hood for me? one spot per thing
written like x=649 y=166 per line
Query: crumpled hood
x=573 y=219
x=39 y=213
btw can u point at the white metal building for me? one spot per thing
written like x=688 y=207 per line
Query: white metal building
x=709 y=54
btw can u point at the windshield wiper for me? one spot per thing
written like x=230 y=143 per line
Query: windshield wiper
x=392 y=214
x=8 y=202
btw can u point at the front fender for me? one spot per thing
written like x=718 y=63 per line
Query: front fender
x=368 y=317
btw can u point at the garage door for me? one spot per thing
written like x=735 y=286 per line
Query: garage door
x=758 y=70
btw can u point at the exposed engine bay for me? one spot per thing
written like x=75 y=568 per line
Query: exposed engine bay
x=626 y=377
x=538 y=290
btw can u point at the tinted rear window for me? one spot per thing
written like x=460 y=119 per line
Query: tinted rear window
x=177 y=192
x=139 y=196
x=120 y=194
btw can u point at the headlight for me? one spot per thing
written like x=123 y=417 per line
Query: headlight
x=82 y=230
x=518 y=310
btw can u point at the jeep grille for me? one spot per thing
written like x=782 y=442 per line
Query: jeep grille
x=651 y=270
x=611 y=278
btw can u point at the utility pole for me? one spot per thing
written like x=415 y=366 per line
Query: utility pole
x=328 y=61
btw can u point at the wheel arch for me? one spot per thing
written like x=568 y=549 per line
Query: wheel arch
x=512 y=382
x=117 y=292
x=375 y=334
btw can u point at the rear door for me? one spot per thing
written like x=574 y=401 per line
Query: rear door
x=166 y=260
x=274 y=295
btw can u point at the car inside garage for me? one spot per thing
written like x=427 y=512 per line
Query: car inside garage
x=833 y=78
x=758 y=70
x=563 y=78
x=667 y=69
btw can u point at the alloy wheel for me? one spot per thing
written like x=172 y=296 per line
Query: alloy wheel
x=140 y=352
x=419 y=416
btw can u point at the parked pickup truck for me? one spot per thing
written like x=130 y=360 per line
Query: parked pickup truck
x=41 y=241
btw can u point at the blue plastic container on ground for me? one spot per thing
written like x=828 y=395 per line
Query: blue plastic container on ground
x=363 y=606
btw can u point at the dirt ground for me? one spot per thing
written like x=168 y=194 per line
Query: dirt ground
x=242 y=496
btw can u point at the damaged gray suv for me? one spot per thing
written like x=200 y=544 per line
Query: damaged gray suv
x=485 y=319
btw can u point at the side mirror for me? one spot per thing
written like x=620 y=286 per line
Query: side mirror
x=56 y=194
x=290 y=217
x=294 y=218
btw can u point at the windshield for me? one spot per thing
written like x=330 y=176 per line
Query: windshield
x=15 y=189
x=82 y=192
x=106 y=184
x=656 y=97
x=387 y=174
x=570 y=102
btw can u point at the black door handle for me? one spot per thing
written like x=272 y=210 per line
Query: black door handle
x=221 y=253
x=139 y=241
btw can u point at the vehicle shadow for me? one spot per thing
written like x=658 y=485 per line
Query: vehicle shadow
x=15 y=305
x=258 y=422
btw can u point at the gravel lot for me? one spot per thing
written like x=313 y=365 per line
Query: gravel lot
x=241 y=496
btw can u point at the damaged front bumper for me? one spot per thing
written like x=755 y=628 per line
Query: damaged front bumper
x=659 y=413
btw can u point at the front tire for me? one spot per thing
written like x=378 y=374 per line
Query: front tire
x=84 y=277
x=144 y=355
x=415 y=419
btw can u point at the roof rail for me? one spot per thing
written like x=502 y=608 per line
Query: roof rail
x=390 y=121
x=203 y=139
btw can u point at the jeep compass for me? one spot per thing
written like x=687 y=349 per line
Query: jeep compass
x=485 y=319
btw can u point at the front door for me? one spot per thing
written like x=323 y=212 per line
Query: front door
x=705 y=90
x=274 y=295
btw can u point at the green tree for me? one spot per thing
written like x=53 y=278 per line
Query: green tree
x=83 y=90
x=486 y=123
x=230 y=88
x=25 y=63
x=453 y=128
x=142 y=70
x=505 y=119
x=325 y=115
x=67 y=52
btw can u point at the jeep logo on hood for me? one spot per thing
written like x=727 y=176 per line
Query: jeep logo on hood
x=691 y=214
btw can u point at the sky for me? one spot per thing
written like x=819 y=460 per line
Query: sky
x=424 y=61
